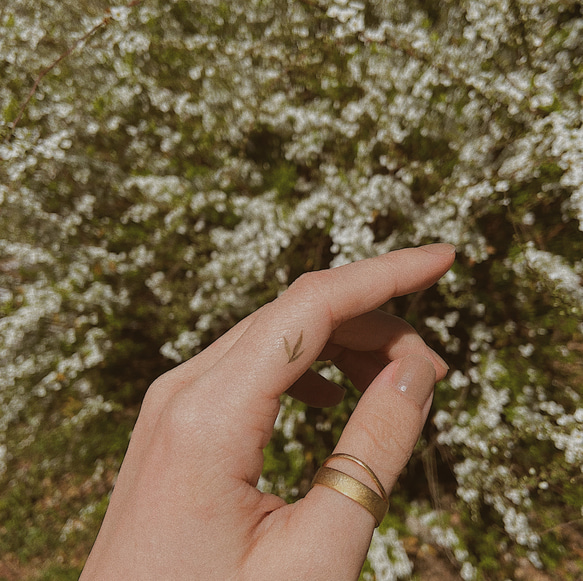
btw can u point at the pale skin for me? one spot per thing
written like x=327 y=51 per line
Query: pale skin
x=186 y=506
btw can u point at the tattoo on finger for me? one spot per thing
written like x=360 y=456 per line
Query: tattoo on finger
x=297 y=351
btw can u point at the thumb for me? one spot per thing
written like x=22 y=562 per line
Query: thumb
x=388 y=420
x=382 y=432
x=336 y=531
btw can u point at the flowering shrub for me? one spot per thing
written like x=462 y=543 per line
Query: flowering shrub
x=189 y=159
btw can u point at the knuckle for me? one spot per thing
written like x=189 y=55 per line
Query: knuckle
x=310 y=290
x=386 y=442
x=181 y=419
x=157 y=394
x=312 y=282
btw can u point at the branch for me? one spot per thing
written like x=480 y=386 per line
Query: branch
x=104 y=22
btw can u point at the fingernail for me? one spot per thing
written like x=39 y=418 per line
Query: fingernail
x=415 y=378
x=439 y=359
x=439 y=248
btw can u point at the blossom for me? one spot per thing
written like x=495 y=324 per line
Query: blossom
x=182 y=167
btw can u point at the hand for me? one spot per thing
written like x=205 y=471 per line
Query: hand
x=186 y=505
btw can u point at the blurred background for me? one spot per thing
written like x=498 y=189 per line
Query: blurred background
x=167 y=167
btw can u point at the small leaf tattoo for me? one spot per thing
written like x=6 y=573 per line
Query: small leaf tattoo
x=295 y=353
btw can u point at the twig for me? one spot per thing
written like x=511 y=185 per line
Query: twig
x=561 y=525
x=430 y=469
x=104 y=22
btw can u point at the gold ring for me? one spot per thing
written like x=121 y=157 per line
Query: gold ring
x=353 y=488
x=362 y=465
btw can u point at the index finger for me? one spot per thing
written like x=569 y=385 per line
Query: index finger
x=287 y=335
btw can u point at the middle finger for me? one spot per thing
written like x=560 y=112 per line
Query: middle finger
x=363 y=346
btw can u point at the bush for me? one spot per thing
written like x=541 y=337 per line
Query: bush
x=188 y=160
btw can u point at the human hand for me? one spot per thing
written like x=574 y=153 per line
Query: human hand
x=186 y=506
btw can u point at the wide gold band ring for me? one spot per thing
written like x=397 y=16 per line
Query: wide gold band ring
x=354 y=489
x=366 y=467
